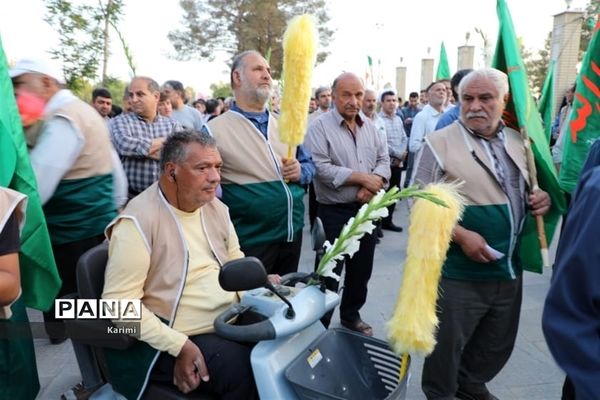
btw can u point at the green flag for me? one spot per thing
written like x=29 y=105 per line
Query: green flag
x=370 y=72
x=521 y=112
x=443 y=70
x=546 y=104
x=39 y=278
x=584 y=123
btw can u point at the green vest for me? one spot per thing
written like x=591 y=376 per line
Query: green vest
x=82 y=204
x=487 y=209
x=263 y=207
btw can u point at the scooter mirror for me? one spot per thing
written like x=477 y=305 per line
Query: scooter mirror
x=317 y=234
x=242 y=274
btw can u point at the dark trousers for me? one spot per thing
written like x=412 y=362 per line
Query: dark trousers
x=394 y=181
x=358 y=268
x=66 y=257
x=478 y=323
x=228 y=363
x=278 y=258
x=312 y=204
x=410 y=162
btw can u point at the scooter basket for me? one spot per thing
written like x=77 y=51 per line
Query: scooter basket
x=342 y=364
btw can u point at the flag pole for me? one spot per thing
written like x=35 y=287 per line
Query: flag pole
x=533 y=183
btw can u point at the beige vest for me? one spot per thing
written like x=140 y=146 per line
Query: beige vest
x=451 y=145
x=95 y=158
x=11 y=201
x=247 y=156
x=163 y=237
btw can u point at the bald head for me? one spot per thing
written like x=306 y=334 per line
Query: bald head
x=348 y=93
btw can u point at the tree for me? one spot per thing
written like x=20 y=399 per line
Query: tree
x=83 y=32
x=590 y=15
x=238 y=25
x=537 y=65
x=80 y=40
x=220 y=89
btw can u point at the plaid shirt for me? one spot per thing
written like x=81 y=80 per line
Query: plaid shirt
x=132 y=136
x=396 y=136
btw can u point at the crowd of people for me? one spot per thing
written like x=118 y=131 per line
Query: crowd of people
x=179 y=187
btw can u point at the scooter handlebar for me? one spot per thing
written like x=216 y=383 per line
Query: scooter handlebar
x=290 y=279
x=255 y=332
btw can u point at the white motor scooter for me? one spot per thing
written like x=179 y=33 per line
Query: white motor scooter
x=295 y=356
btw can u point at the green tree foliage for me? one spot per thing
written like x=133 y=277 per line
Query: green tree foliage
x=537 y=65
x=238 y=25
x=221 y=89
x=587 y=27
x=83 y=32
x=80 y=40
x=116 y=87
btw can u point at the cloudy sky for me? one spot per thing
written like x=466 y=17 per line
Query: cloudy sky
x=396 y=32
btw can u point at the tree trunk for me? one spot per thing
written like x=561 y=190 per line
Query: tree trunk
x=106 y=41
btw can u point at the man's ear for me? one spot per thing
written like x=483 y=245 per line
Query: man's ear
x=237 y=78
x=506 y=98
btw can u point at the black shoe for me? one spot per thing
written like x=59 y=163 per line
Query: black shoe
x=391 y=227
x=464 y=395
x=57 y=340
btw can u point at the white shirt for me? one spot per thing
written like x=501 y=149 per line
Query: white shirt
x=423 y=124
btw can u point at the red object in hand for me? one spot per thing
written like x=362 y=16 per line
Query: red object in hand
x=31 y=107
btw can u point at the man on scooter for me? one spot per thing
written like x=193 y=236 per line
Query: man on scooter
x=166 y=249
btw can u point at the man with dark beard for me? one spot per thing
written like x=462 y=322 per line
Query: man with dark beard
x=261 y=186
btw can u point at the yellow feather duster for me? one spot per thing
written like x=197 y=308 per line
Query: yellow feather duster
x=412 y=327
x=299 y=57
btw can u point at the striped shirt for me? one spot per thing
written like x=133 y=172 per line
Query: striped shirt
x=132 y=136
x=337 y=153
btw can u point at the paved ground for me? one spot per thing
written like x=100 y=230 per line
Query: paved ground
x=530 y=374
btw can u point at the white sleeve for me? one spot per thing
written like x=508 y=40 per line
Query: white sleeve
x=120 y=186
x=417 y=133
x=58 y=147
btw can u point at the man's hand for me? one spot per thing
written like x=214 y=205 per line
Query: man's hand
x=275 y=279
x=291 y=169
x=395 y=162
x=364 y=195
x=372 y=183
x=472 y=244
x=539 y=201
x=155 y=147
x=190 y=368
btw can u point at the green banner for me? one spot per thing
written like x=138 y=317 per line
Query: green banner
x=521 y=113
x=584 y=124
x=39 y=278
x=546 y=104
x=443 y=70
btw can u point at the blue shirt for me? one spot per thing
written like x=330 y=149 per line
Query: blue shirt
x=448 y=117
x=571 y=319
x=261 y=121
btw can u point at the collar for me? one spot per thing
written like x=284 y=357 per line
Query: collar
x=257 y=116
x=339 y=120
x=60 y=98
x=499 y=132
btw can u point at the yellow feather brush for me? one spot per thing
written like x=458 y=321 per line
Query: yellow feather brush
x=299 y=57
x=412 y=326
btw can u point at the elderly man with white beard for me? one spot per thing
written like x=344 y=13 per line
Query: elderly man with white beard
x=262 y=187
